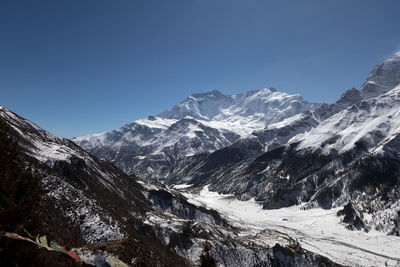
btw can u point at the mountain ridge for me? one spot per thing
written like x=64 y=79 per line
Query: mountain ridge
x=202 y=123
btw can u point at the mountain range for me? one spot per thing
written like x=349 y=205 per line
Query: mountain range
x=51 y=186
x=277 y=149
x=200 y=124
x=262 y=178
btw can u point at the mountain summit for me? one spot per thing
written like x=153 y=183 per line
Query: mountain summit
x=383 y=78
x=200 y=124
x=269 y=103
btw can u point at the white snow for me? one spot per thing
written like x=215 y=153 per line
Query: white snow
x=242 y=126
x=130 y=133
x=156 y=122
x=48 y=151
x=357 y=122
x=383 y=78
x=94 y=229
x=286 y=121
x=181 y=186
x=44 y=146
x=317 y=230
x=91 y=140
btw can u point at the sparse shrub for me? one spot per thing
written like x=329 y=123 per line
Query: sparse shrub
x=206 y=260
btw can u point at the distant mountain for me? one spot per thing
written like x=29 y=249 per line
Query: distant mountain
x=254 y=107
x=200 y=124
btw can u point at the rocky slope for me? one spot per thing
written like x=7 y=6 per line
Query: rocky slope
x=82 y=201
x=383 y=78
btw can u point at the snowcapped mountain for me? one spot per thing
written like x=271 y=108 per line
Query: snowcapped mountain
x=346 y=154
x=368 y=116
x=368 y=123
x=363 y=113
x=339 y=161
x=59 y=190
x=202 y=123
x=240 y=113
x=383 y=78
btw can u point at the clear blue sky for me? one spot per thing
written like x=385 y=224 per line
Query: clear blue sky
x=83 y=66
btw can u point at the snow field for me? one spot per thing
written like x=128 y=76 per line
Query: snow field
x=316 y=230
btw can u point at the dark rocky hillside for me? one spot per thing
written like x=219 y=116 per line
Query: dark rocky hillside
x=26 y=204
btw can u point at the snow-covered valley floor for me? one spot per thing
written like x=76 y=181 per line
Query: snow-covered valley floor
x=316 y=230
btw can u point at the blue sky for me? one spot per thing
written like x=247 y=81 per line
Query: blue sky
x=85 y=66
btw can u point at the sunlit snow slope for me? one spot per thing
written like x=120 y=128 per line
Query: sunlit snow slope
x=318 y=230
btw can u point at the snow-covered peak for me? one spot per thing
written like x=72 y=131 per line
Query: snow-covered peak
x=214 y=106
x=383 y=78
x=273 y=104
x=204 y=106
x=207 y=95
x=367 y=123
x=141 y=132
x=200 y=124
x=241 y=113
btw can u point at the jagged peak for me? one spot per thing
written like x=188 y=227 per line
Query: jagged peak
x=213 y=105
x=263 y=91
x=384 y=77
x=268 y=90
x=210 y=94
x=351 y=96
x=396 y=55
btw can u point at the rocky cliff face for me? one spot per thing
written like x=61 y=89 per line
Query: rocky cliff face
x=383 y=78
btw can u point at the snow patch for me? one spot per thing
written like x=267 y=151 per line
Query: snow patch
x=181 y=186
